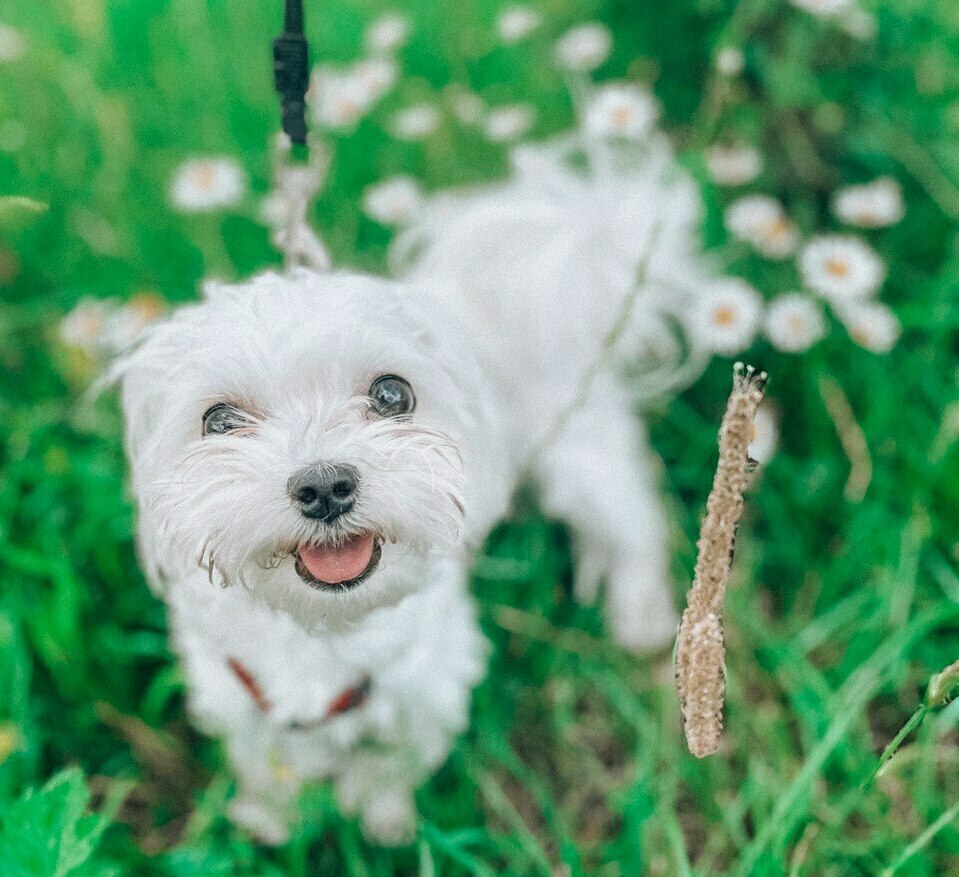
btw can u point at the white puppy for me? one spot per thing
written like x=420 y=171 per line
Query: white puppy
x=324 y=448
x=314 y=456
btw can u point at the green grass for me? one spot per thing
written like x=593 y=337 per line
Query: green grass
x=574 y=762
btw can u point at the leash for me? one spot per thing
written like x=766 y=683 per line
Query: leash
x=300 y=162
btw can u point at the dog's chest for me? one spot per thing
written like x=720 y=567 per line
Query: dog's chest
x=241 y=656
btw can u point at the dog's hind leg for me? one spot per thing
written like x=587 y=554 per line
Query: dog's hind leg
x=599 y=477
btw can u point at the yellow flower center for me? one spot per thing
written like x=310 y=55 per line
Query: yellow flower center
x=348 y=110
x=837 y=267
x=777 y=229
x=724 y=316
x=147 y=306
x=203 y=176
x=620 y=117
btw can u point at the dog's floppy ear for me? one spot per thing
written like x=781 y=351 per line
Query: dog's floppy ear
x=142 y=376
x=138 y=374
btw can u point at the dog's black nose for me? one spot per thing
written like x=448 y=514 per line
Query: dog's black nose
x=324 y=492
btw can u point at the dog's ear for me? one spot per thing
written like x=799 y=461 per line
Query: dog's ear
x=137 y=374
x=142 y=376
x=150 y=377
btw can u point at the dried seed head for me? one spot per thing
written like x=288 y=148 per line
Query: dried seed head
x=700 y=655
x=702 y=681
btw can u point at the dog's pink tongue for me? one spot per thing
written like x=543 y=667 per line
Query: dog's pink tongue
x=340 y=564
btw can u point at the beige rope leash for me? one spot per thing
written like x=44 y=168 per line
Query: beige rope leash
x=701 y=647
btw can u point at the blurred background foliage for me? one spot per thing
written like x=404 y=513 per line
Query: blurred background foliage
x=574 y=764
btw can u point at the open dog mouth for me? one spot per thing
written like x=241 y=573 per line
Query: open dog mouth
x=341 y=566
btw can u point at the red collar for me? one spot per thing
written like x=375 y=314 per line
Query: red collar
x=348 y=699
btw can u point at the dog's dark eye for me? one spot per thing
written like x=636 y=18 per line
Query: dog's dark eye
x=223 y=418
x=391 y=395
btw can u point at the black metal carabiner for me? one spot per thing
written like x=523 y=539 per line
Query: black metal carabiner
x=291 y=71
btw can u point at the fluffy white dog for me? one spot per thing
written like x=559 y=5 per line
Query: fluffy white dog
x=324 y=448
x=314 y=456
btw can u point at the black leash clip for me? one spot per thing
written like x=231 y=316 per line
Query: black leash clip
x=291 y=70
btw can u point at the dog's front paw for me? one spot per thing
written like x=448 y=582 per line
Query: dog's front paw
x=260 y=820
x=390 y=818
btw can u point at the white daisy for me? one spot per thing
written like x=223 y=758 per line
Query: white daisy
x=761 y=221
x=12 y=44
x=584 y=47
x=764 y=441
x=727 y=315
x=204 y=184
x=394 y=201
x=841 y=268
x=730 y=61
x=751 y=212
x=618 y=110
x=468 y=107
x=416 y=122
x=83 y=327
x=733 y=165
x=102 y=327
x=823 y=8
x=340 y=98
x=515 y=23
x=378 y=75
x=508 y=122
x=125 y=324
x=387 y=33
x=871 y=325
x=794 y=323
x=874 y=205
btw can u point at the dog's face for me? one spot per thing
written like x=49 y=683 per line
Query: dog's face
x=298 y=437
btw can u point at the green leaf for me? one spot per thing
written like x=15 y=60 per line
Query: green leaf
x=49 y=833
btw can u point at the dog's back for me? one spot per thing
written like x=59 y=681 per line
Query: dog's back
x=543 y=266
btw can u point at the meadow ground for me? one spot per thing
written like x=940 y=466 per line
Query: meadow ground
x=845 y=600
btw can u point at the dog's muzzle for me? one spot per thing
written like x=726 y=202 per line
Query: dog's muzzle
x=323 y=493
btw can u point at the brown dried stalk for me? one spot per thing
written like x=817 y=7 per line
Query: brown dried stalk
x=701 y=649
